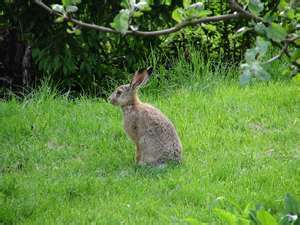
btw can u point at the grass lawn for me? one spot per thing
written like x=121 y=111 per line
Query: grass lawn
x=69 y=161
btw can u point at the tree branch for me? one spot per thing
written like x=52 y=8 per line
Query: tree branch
x=283 y=50
x=187 y=23
x=236 y=7
x=75 y=21
x=211 y=19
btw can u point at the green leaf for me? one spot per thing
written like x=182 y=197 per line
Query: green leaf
x=251 y=54
x=69 y=31
x=121 y=21
x=260 y=28
x=193 y=11
x=296 y=79
x=276 y=32
x=70 y=2
x=262 y=46
x=265 y=218
x=296 y=57
x=137 y=14
x=291 y=205
x=286 y=72
x=226 y=216
x=255 y=6
x=74 y=31
x=269 y=17
x=291 y=14
x=196 y=13
x=59 y=19
x=58 y=8
x=142 y=5
x=209 y=27
x=66 y=2
x=35 y=53
x=77 y=32
x=186 y=3
x=166 y=2
x=75 y=2
x=253 y=67
x=246 y=75
x=126 y=4
x=56 y=63
x=258 y=52
x=178 y=14
x=283 y=4
x=259 y=72
x=71 y=8
x=132 y=3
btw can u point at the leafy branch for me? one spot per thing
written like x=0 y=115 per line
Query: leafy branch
x=284 y=49
x=279 y=28
x=189 y=22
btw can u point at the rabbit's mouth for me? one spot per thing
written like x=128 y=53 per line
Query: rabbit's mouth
x=112 y=100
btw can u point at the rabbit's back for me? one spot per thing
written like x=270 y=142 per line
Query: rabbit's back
x=153 y=132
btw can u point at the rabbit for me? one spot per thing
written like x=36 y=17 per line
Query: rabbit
x=154 y=135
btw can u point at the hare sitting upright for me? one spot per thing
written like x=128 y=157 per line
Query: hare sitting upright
x=153 y=133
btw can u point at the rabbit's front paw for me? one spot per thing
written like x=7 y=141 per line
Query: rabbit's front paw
x=141 y=163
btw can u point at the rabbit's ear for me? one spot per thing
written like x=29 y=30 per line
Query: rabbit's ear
x=141 y=77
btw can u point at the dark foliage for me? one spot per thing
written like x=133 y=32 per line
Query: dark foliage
x=93 y=61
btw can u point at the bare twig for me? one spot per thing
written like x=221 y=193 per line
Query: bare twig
x=75 y=21
x=236 y=7
x=170 y=30
x=41 y=4
x=184 y=24
x=292 y=41
x=283 y=50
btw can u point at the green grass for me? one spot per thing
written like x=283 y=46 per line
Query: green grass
x=69 y=161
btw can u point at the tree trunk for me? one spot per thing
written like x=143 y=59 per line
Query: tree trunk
x=16 y=67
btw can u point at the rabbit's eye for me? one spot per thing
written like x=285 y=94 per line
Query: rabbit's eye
x=119 y=93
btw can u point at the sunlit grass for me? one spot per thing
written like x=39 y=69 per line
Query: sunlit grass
x=69 y=161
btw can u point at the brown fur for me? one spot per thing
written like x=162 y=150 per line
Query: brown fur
x=153 y=133
x=138 y=154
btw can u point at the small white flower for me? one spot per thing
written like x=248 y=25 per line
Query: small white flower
x=197 y=5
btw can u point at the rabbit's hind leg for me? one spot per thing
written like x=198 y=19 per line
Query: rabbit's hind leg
x=150 y=150
x=138 y=154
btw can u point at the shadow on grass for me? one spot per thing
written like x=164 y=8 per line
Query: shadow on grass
x=157 y=171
